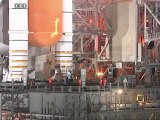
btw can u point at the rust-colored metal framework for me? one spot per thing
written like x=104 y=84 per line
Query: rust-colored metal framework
x=92 y=33
x=149 y=28
x=90 y=26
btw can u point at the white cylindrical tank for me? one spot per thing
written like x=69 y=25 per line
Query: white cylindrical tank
x=18 y=40
x=64 y=47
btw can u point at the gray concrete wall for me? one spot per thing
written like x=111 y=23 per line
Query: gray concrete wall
x=37 y=51
x=1 y=23
x=130 y=39
x=4 y=22
x=77 y=106
x=123 y=20
x=47 y=103
x=34 y=52
x=4 y=25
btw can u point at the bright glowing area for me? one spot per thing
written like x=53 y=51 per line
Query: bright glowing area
x=56 y=28
x=90 y=21
x=140 y=97
x=120 y=91
x=99 y=73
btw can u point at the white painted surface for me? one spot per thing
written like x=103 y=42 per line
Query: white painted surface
x=67 y=38
x=65 y=43
x=17 y=36
x=65 y=46
x=67 y=5
x=12 y=2
x=18 y=45
x=18 y=19
x=139 y=52
x=15 y=69
x=64 y=58
x=67 y=22
x=18 y=58
x=118 y=65
x=18 y=41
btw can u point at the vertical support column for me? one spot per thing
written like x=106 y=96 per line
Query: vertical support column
x=1 y=67
x=155 y=29
x=107 y=48
x=145 y=22
x=96 y=44
x=147 y=70
x=138 y=44
x=154 y=22
x=148 y=76
x=18 y=40
x=83 y=77
x=96 y=23
x=82 y=51
x=64 y=46
x=1 y=106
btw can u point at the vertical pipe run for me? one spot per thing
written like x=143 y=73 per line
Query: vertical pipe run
x=82 y=52
x=154 y=22
x=1 y=106
x=1 y=67
x=145 y=18
x=96 y=20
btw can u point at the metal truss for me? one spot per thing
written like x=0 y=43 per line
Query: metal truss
x=149 y=19
x=149 y=114
x=110 y=105
x=91 y=33
x=149 y=35
x=90 y=27
x=151 y=31
x=14 y=104
x=81 y=105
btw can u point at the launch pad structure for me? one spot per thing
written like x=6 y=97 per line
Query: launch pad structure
x=100 y=29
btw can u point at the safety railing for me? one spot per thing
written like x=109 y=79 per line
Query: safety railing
x=153 y=36
x=46 y=88
x=79 y=89
x=7 y=87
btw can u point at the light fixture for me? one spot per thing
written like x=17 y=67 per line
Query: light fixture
x=120 y=91
x=99 y=73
